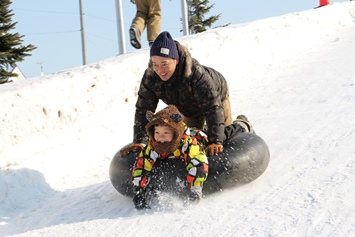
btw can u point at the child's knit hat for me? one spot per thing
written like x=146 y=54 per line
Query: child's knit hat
x=170 y=117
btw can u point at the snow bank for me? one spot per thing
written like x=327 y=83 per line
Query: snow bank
x=58 y=135
x=247 y=47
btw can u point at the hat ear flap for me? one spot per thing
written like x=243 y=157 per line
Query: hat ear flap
x=149 y=115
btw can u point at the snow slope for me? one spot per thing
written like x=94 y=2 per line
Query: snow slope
x=292 y=75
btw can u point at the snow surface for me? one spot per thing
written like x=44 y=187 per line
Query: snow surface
x=292 y=75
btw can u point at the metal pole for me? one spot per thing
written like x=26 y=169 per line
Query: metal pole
x=83 y=45
x=120 y=28
x=185 y=18
x=41 y=63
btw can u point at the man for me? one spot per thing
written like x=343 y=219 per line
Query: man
x=199 y=92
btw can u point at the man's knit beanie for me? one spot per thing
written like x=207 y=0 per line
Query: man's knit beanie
x=170 y=117
x=164 y=46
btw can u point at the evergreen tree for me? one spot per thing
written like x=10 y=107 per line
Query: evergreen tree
x=11 y=48
x=197 y=10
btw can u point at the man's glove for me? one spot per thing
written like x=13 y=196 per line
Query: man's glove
x=214 y=149
x=139 y=201
x=133 y=1
x=134 y=147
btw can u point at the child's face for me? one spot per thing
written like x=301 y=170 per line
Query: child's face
x=163 y=134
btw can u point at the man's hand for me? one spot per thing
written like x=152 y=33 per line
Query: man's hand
x=135 y=147
x=214 y=149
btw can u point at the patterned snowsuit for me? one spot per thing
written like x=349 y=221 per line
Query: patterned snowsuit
x=190 y=150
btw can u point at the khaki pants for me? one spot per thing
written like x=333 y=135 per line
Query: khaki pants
x=148 y=15
x=198 y=123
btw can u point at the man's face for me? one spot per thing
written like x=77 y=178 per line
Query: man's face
x=164 y=67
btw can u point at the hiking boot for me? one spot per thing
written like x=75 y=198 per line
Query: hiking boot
x=140 y=202
x=195 y=194
x=243 y=121
x=135 y=37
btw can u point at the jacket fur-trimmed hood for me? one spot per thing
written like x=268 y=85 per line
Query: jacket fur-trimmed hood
x=185 y=62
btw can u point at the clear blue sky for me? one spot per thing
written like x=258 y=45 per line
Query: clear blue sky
x=54 y=27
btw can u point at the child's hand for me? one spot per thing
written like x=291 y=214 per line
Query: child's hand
x=135 y=147
x=214 y=149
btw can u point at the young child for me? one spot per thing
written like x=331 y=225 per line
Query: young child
x=169 y=137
